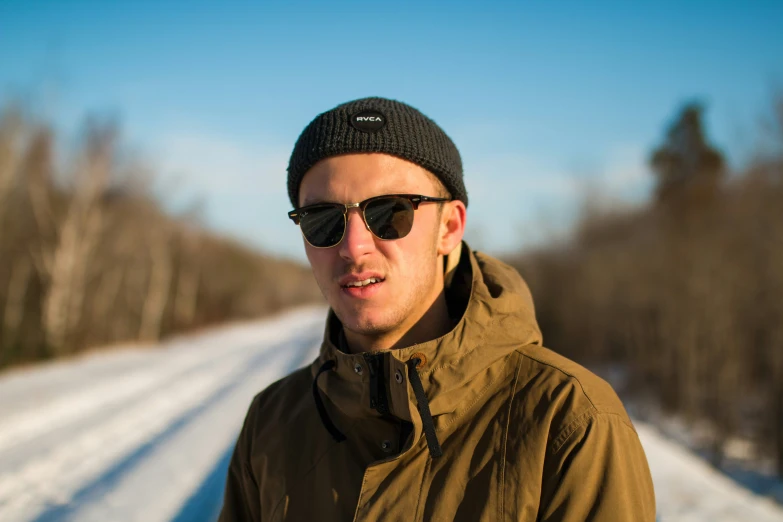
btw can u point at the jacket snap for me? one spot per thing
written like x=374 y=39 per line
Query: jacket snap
x=358 y=369
x=398 y=376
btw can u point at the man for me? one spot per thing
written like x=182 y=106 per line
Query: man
x=432 y=397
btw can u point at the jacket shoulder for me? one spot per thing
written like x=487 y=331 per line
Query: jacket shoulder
x=563 y=394
x=282 y=388
x=281 y=402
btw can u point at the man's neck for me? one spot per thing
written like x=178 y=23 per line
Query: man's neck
x=434 y=323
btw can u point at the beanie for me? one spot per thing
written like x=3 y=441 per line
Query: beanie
x=377 y=125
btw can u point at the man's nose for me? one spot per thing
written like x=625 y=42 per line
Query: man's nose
x=358 y=240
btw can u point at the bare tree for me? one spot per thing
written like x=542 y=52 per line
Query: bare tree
x=10 y=147
x=15 y=300
x=187 y=284
x=67 y=267
x=159 y=287
x=89 y=256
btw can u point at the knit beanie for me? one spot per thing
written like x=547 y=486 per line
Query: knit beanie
x=377 y=125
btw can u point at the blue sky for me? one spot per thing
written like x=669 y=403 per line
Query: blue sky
x=541 y=98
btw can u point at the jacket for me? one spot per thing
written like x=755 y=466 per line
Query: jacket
x=481 y=424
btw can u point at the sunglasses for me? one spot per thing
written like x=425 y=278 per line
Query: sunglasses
x=387 y=217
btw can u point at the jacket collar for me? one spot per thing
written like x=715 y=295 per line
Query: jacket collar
x=497 y=316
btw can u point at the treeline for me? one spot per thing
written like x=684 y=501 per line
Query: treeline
x=88 y=256
x=686 y=295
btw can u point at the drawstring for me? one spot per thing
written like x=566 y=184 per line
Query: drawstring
x=424 y=407
x=319 y=403
x=418 y=390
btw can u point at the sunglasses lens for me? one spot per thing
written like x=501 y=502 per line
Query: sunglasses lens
x=323 y=226
x=389 y=218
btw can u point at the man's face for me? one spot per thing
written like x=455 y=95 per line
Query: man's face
x=410 y=269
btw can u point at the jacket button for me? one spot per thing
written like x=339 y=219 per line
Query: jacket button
x=398 y=376
x=357 y=368
x=386 y=446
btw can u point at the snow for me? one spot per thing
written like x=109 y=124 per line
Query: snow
x=130 y=435
x=145 y=433
x=687 y=489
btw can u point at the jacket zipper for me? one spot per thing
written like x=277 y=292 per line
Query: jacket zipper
x=378 y=397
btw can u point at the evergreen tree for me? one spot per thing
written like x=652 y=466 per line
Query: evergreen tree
x=688 y=169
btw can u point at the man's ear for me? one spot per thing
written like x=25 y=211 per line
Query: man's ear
x=452 y=226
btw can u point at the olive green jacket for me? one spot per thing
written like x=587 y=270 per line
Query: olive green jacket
x=518 y=432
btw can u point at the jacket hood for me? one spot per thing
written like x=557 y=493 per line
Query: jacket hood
x=498 y=317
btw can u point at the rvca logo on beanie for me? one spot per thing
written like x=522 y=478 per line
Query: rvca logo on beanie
x=368 y=121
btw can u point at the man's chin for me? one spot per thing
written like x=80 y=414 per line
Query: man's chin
x=365 y=322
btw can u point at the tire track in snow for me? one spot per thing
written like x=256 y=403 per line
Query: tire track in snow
x=110 y=393
x=56 y=483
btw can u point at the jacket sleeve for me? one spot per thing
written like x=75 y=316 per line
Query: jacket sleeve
x=596 y=469
x=241 y=500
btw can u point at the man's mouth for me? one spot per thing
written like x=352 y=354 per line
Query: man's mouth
x=365 y=282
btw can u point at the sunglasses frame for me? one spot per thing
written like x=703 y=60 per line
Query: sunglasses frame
x=415 y=199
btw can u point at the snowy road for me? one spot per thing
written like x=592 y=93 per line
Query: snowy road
x=145 y=434
x=133 y=434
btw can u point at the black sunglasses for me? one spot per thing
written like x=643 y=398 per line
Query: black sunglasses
x=387 y=217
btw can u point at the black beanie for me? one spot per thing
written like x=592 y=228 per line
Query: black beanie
x=377 y=125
